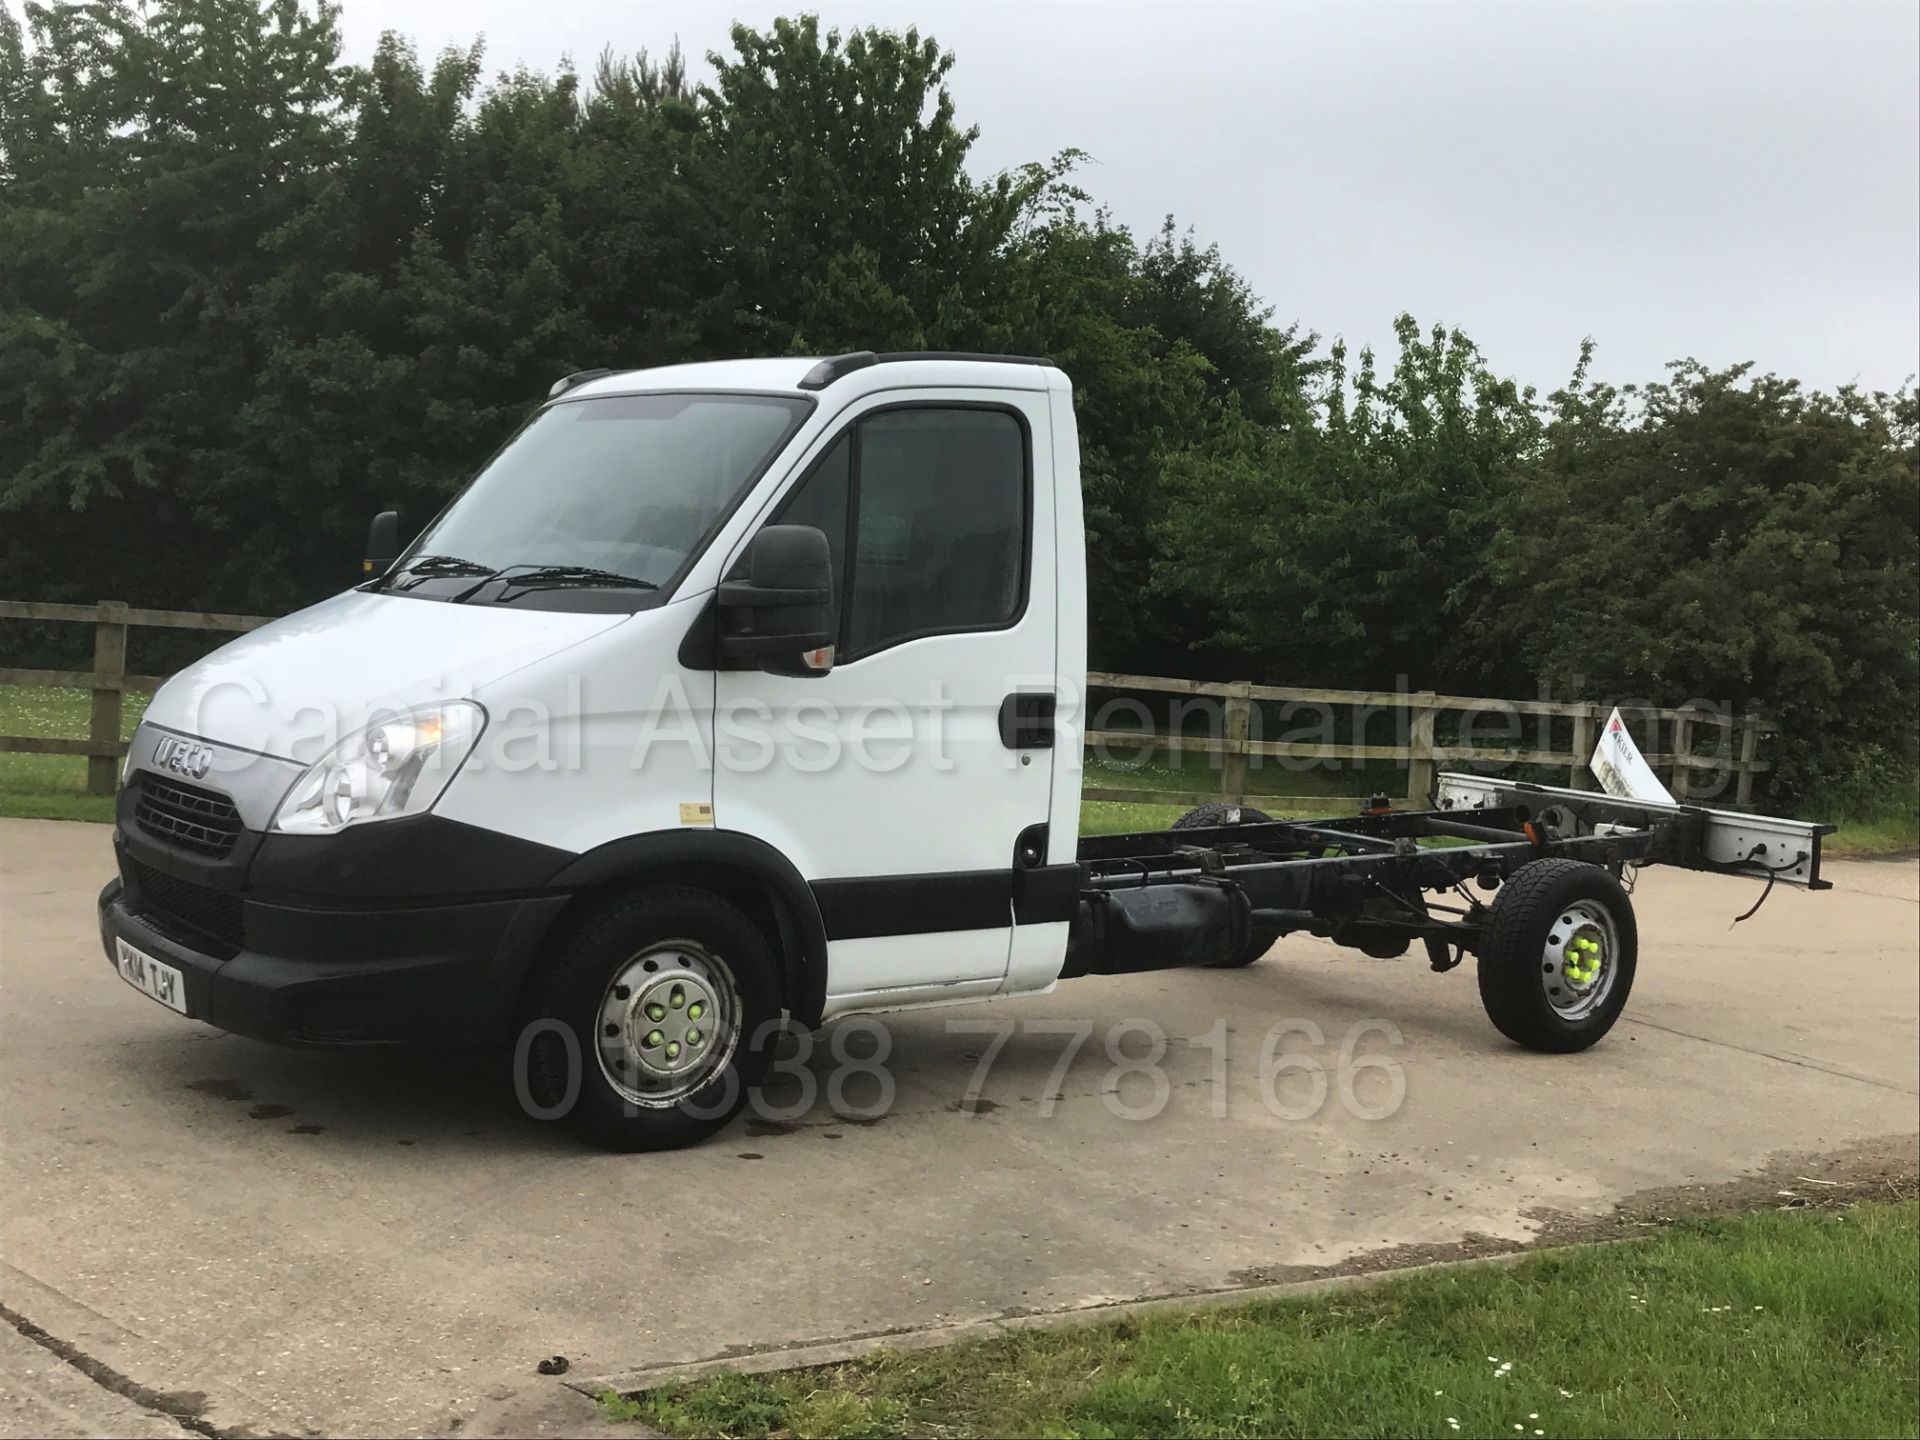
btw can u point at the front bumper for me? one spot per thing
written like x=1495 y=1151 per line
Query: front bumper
x=410 y=931
x=386 y=975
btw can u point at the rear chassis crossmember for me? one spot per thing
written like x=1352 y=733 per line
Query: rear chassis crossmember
x=1364 y=880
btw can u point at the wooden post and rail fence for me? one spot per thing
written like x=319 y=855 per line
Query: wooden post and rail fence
x=1422 y=752
x=109 y=679
x=1234 y=746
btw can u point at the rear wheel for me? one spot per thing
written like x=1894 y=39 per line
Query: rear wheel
x=654 y=1014
x=1558 y=959
x=1203 y=817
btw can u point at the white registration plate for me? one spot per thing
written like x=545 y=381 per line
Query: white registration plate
x=149 y=976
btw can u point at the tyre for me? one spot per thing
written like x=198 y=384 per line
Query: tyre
x=1557 y=962
x=654 y=1016
x=1219 y=813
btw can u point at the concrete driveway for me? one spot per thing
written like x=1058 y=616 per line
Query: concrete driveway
x=383 y=1244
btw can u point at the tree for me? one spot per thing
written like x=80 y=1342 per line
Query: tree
x=1343 y=541
x=838 y=175
x=1190 y=296
x=149 y=156
x=1727 y=537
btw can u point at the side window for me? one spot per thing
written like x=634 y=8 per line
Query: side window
x=821 y=501
x=940 y=534
x=938 y=539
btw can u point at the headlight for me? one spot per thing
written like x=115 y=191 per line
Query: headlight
x=396 y=766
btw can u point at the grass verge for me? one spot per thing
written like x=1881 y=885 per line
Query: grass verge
x=1777 y=1323
x=1891 y=834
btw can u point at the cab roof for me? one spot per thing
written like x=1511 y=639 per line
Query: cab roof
x=802 y=375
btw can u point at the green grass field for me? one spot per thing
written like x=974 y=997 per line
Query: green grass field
x=53 y=787
x=1781 y=1323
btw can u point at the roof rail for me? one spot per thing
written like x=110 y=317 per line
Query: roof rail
x=579 y=377
x=830 y=370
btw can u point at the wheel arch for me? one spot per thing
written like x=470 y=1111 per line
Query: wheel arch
x=740 y=868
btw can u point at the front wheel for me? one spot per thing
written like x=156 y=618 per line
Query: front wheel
x=656 y=1014
x=1557 y=961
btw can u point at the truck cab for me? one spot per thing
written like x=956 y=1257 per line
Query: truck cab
x=722 y=692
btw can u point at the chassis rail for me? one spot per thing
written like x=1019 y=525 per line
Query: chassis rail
x=1363 y=880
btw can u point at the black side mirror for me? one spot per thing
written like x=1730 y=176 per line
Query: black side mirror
x=383 y=544
x=781 y=616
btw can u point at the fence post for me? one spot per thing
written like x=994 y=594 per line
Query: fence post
x=1420 y=743
x=1580 y=771
x=1682 y=752
x=1233 y=774
x=1749 y=752
x=109 y=665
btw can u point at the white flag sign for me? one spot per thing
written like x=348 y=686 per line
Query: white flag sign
x=1620 y=767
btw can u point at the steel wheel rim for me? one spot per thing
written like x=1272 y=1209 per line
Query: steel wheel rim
x=1580 y=960
x=668 y=1023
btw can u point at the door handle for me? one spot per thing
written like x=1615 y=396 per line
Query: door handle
x=1026 y=720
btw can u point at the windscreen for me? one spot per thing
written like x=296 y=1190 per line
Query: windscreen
x=612 y=493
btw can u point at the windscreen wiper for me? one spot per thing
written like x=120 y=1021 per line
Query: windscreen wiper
x=563 y=577
x=430 y=567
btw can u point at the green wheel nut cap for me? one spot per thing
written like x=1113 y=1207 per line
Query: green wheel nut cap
x=656 y=1012
x=672 y=1050
x=653 y=1038
x=693 y=1011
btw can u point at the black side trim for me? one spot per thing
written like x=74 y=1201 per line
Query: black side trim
x=1046 y=893
x=915 y=904
x=643 y=854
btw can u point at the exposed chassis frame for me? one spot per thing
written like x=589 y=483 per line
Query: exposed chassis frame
x=1364 y=880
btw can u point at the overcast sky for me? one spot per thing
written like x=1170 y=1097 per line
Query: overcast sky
x=1728 y=181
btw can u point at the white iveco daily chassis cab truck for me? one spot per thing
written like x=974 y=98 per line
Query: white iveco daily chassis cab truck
x=738 y=690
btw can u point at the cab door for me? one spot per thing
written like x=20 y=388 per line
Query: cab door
x=902 y=782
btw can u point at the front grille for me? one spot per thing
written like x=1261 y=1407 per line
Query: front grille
x=169 y=898
x=203 y=821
